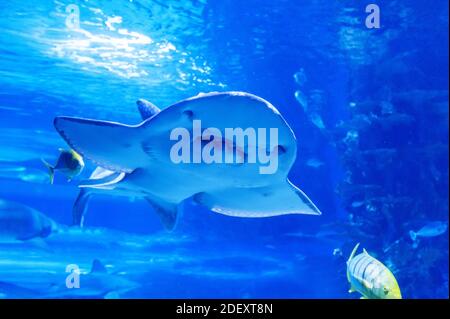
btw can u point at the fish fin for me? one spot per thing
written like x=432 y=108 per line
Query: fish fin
x=363 y=297
x=97 y=267
x=113 y=146
x=350 y=258
x=51 y=170
x=167 y=212
x=365 y=252
x=351 y=290
x=413 y=235
x=279 y=199
x=147 y=109
x=353 y=253
x=80 y=207
x=76 y=155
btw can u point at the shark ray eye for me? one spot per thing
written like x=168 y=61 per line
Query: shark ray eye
x=281 y=149
x=189 y=114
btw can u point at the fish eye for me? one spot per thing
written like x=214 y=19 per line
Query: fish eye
x=385 y=290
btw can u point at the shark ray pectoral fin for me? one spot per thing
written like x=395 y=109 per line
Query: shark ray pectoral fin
x=308 y=207
x=167 y=212
x=110 y=145
x=280 y=199
x=80 y=207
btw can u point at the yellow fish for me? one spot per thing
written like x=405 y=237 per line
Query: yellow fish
x=370 y=277
x=70 y=163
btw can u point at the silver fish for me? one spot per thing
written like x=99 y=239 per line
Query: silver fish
x=431 y=229
x=370 y=277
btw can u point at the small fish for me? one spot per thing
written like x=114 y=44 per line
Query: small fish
x=358 y=204
x=337 y=252
x=314 y=163
x=431 y=229
x=316 y=119
x=370 y=277
x=351 y=138
x=70 y=163
x=302 y=100
x=300 y=77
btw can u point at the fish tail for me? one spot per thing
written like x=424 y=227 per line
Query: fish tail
x=413 y=235
x=51 y=170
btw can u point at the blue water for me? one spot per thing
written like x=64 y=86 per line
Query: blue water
x=377 y=168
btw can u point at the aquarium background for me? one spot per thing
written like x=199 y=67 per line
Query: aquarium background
x=370 y=116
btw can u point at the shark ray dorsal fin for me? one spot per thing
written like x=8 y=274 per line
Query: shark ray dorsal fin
x=147 y=109
x=97 y=267
x=365 y=252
